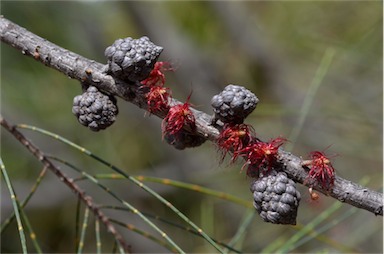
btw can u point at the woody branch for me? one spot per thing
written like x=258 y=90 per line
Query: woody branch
x=66 y=180
x=94 y=73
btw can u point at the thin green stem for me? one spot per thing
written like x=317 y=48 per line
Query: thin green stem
x=125 y=203
x=7 y=221
x=77 y=224
x=32 y=234
x=247 y=220
x=68 y=181
x=145 y=234
x=176 y=225
x=98 y=238
x=15 y=205
x=187 y=186
x=11 y=217
x=309 y=227
x=83 y=231
x=323 y=229
x=132 y=179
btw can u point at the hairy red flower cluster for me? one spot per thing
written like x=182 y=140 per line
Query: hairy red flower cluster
x=261 y=155
x=321 y=170
x=158 y=98
x=178 y=116
x=233 y=138
x=156 y=76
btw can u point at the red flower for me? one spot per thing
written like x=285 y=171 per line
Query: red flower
x=157 y=99
x=156 y=76
x=233 y=138
x=321 y=169
x=261 y=155
x=178 y=116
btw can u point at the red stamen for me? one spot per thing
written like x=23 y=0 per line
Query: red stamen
x=178 y=116
x=156 y=76
x=261 y=155
x=234 y=138
x=321 y=170
x=158 y=98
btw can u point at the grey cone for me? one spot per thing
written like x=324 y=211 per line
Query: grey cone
x=276 y=198
x=132 y=59
x=234 y=104
x=94 y=109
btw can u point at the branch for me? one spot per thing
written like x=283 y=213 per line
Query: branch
x=67 y=180
x=93 y=73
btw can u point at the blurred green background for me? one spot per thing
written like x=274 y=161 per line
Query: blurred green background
x=272 y=48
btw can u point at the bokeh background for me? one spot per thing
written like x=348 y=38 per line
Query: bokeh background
x=272 y=48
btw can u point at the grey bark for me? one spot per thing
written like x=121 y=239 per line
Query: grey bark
x=94 y=73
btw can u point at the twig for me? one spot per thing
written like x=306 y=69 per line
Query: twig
x=68 y=181
x=93 y=73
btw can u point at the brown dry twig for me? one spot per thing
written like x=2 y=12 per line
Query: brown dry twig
x=66 y=180
x=93 y=73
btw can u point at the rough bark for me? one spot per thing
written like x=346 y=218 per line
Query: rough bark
x=94 y=73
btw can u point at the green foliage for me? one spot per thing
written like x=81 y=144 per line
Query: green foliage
x=283 y=47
